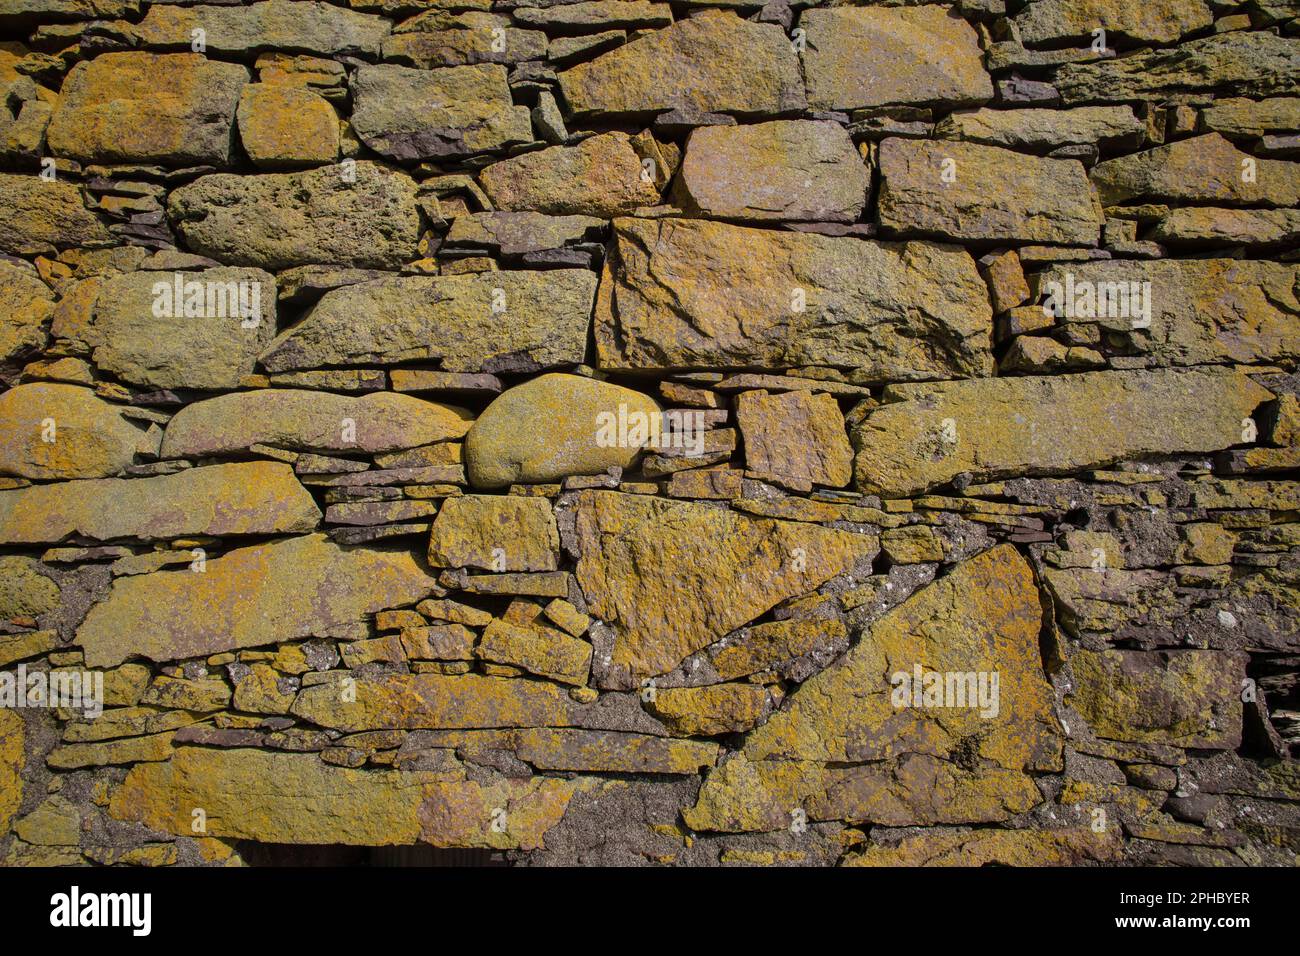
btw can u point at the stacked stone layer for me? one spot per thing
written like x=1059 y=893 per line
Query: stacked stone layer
x=553 y=428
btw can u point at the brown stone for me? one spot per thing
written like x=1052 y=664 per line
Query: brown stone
x=795 y=439
x=672 y=577
x=176 y=108
x=601 y=176
x=680 y=294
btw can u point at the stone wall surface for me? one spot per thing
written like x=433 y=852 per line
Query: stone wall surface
x=706 y=432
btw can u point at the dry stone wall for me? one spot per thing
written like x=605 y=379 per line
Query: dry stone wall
x=621 y=431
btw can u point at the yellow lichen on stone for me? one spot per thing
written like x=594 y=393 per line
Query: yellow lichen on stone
x=13 y=758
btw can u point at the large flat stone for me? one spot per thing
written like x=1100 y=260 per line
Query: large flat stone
x=713 y=62
x=537 y=649
x=1064 y=846
x=1241 y=63
x=298 y=799
x=1203 y=311
x=1246 y=118
x=177 y=109
x=796 y=170
x=246 y=498
x=857 y=57
x=407 y=114
x=679 y=294
x=305 y=26
x=999 y=428
x=1202 y=169
x=303 y=420
x=1210 y=225
x=286 y=127
x=53 y=430
x=970 y=191
x=1044 y=129
x=280 y=591
x=437 y=38
x=1161 y=21
x=537 y=320
x=146 y=335
x=983 y=617
x=672 y=577
x=362 y=215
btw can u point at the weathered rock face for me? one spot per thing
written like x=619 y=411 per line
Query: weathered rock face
x=687 y=294
x=1205 y=168
x=38 y=216
x=63 y=431
x=1236 y=64
x=881 y=56
x=496 y=534
x=489 y=322
x=1241 y=117
x=712 y=63
x=309 y=27
x=200 y=330
x=558 y=425
x=25 y=306
x=177 y=109
x=795 y=439
x=1059 y=847
x=601 y=176
x=444 y=38
x=432 y=701
x=290 y=588
x=364 y=214
x=674 y=577
x=244 y=793
x=247 y=498
x=1202 y=311
x=870 y=709
x=1044 y=129
x=284 y=127
x=789 y=170
x=25 y=592
x=1179 y=698
x=407 y=114
x=983 y=192
x=628 y=433
x=1164 y=21
x=997 y=428
x=1248 y=227
x=301 y=420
